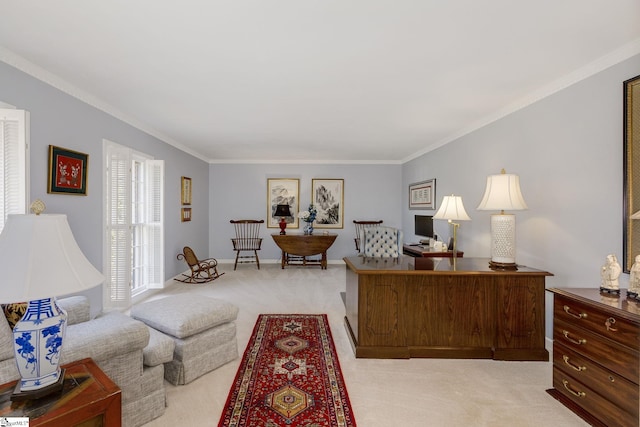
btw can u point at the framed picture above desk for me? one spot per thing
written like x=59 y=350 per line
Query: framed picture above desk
x=426 y=251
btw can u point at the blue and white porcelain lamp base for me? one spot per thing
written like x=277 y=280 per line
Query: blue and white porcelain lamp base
x=37 y=341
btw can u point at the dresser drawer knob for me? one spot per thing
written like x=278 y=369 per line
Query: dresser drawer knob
x=576 y=367
x=609 y=323
x=575 y=393
x=567 y=310
x=572 y=340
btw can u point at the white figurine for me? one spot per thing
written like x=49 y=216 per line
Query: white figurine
x=610 y=272
x=634 y=278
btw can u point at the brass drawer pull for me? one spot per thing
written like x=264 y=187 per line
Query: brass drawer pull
x=567 y=310
x=577 y=368
x=575 y=393
x=574 y=341
x=609 y=323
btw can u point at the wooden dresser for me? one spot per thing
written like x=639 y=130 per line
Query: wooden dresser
x=596 y=360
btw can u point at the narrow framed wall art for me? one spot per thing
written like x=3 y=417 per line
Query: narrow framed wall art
x=283 y=191
x=327 y=195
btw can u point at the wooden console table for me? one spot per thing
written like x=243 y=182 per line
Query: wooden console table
x=88 y=398
x=297 y=247
x=459 y=308
x=426 y=251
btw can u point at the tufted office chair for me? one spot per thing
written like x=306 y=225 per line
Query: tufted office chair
x=361 y=226
x=382 y=242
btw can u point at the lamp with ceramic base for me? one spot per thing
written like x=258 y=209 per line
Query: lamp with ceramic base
x=503 y=193
x=452 y=209
x=40 y=259
x=282 y=211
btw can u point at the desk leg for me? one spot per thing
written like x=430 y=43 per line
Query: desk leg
x=284 y=256
x=323 y=263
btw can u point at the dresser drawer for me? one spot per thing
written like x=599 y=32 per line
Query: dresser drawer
x=613 y=356
x=618 y=390
x=597 y=320
x=592 y=402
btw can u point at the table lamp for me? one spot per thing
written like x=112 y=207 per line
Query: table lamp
x=282 y=211
x=452 y=209
x=503 y=193
x=40 y=259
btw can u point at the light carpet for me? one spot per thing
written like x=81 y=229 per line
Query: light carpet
x=383 y=392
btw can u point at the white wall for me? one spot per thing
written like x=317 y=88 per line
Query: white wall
x=568 y=151
x=62 y=120
x=240 y=192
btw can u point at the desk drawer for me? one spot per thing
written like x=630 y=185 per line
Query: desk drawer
x=574 y=312
x=592 y=402
x=618 y=390
x=615 y=357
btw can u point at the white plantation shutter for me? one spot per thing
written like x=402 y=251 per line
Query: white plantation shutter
x=154 y=222
x=14 y=135
x=119 y=226
x=117 y=261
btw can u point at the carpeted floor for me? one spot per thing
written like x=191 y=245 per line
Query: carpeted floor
x=383 y=393
x=289 y=375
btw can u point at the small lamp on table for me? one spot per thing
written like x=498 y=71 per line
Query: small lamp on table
x=40 y=259
x=282 y=211
x=452 y=209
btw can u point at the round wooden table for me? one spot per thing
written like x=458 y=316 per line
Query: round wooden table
x=297 y=247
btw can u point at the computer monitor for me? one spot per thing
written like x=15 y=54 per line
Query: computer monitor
x=424 y=225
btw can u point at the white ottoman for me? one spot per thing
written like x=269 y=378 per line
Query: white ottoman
x=203 y=329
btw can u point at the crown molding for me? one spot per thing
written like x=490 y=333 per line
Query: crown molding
x=51 y=79
x=623 y=53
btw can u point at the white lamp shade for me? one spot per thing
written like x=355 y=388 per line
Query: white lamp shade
x=452 y=208
x=39 y=258
x=502 y=193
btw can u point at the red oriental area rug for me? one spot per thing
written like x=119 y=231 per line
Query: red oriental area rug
x=289 y=377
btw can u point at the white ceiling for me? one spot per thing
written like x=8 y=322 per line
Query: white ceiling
x=310 y=80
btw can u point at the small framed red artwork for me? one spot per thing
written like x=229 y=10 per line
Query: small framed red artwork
x=67 y=171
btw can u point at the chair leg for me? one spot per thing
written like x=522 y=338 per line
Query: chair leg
x=236 y=264
x=257 y=260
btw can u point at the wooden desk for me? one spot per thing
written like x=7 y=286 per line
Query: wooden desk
x=457 y=309
x=297 y=247
x=88 y=398
x=426 y=251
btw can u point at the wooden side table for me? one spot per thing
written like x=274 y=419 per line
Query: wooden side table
x=303 y=245
x=88 y=398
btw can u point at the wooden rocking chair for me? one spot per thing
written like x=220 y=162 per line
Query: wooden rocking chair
x=247 y=239
x=202 y=271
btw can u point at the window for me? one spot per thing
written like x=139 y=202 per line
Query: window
x=133 y=224
x=14 y=160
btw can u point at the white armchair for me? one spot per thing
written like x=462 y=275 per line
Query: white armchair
x=382 y=242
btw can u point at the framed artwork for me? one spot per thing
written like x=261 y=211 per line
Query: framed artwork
x=422 y=195
x=631 y=167
x=283 y=191
x=67 y=171
x=185 y=190
x=186 y=214
x=328 y=197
